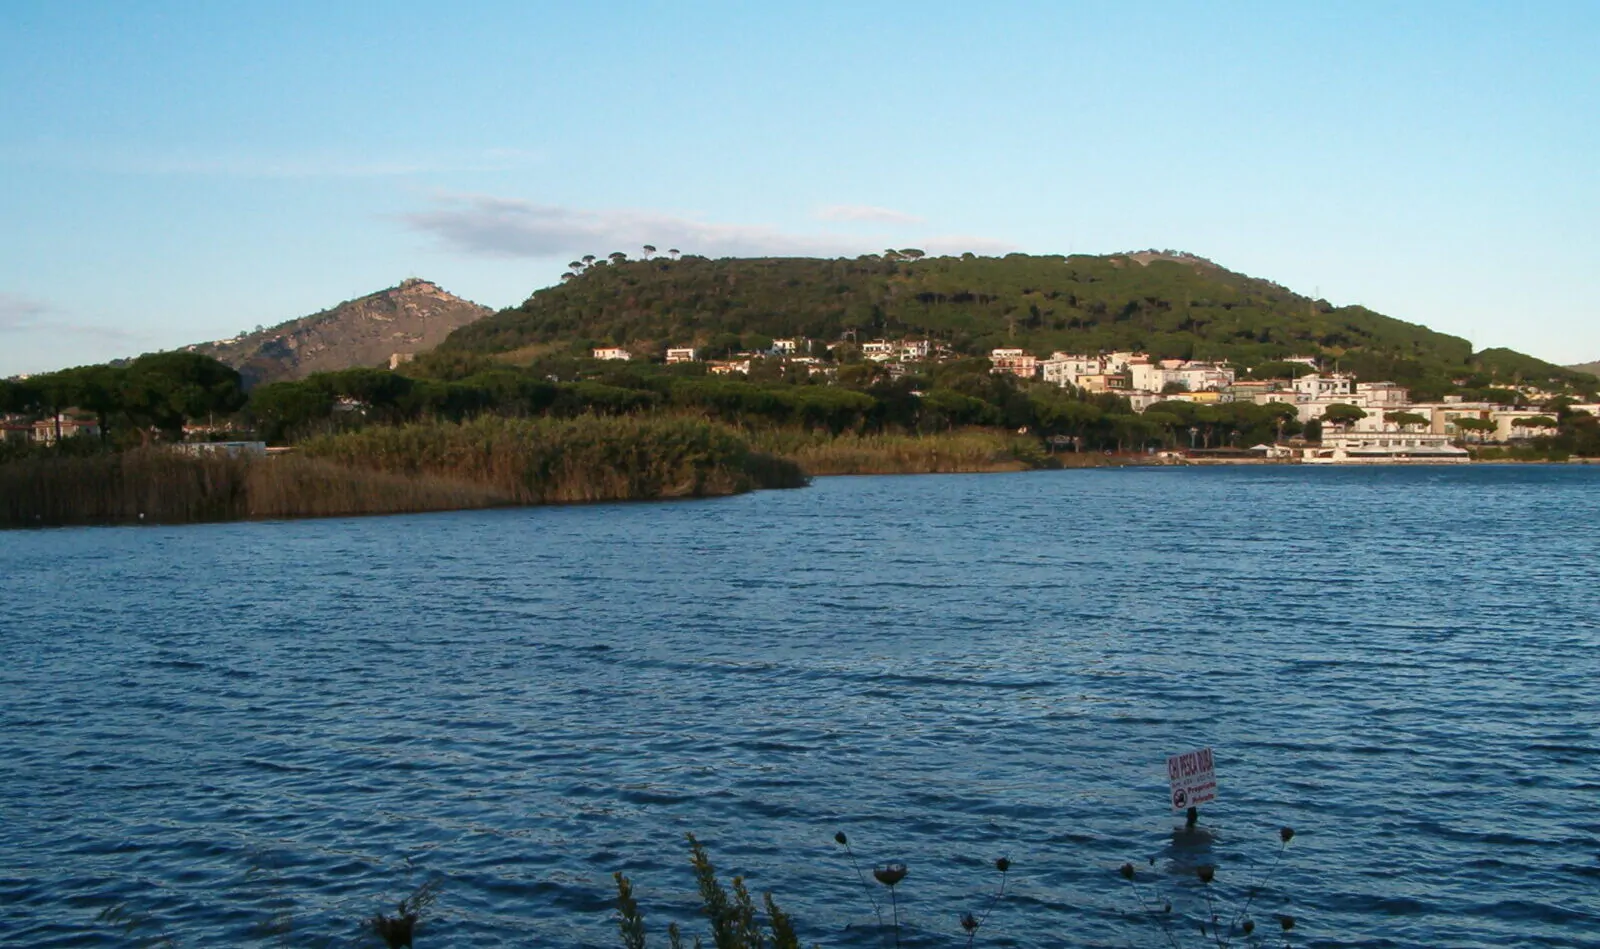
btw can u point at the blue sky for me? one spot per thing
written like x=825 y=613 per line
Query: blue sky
x=175 y=172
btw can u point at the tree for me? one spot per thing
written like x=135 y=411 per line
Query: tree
x=1536 y=421
x=673 y=252
x=648 y=250
x=1474 y=428
x=913 y=253
x=1405 y=419
x=616 y=256
x=17 y=396
x=282 y=410
x=162 y=391
x=98 y=389
x=1340 y=413
x=588 y=259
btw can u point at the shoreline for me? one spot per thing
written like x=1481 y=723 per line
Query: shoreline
x=233 y=491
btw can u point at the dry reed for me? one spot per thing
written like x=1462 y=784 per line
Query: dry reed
x=819 y=453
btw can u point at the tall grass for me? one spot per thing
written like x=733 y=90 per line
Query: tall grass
x=820 y=453
x=588 y=458
x=432 y=467
x=164 y=487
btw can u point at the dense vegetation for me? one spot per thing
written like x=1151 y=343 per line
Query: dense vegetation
x=157 y=486
x=392 y=469
x=939 y=401
x=152 y=397
x=547 y=461
x=513 y=410
x=1169 y=305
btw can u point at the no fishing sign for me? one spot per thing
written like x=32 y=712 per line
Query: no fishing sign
x=1194 y=779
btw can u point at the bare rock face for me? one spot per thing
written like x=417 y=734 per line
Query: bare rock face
x=411 y=318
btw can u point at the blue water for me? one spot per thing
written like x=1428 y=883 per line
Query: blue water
x=258 y=734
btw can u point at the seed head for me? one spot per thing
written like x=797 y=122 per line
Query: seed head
x=1002 y=864
x=1126 y=871
x=1249 y=926
x=1206 y=873
x=840 y=838
x=969 y=922
x=1286 y=834
x=890 y=873
x=1287 y=922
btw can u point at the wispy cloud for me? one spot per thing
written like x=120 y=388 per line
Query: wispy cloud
x=20 y=314
x=244 y=163
x=865 y=213
x=491 y=226
x=507 y=227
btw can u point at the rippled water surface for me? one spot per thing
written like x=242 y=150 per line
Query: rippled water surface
x=261 y=733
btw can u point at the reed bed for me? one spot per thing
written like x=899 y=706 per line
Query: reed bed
x=158 y=486
x=819 y=453
x=554 y=461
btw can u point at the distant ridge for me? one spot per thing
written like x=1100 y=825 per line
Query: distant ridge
x=415 y=316
x=1592 y=368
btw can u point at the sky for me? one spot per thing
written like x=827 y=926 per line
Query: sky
x=176 y=172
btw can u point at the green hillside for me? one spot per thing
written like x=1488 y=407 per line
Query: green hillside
x=1171 y=305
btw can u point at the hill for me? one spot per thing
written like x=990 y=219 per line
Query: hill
x=1168 y=304
x=410 y=318
x=1592 y=368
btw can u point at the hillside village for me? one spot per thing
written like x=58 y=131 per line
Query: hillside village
x=1357 y=420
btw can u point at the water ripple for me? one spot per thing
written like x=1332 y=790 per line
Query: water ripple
x=222 y=730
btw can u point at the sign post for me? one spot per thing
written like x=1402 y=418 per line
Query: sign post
x=1194 y=779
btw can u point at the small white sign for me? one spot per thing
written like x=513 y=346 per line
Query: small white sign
x=1194 y=779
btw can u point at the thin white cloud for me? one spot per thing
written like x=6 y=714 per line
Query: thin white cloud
x=507 y=227
x=24 y=315
x=489 y=226
x=866 y=213
x=19 y=314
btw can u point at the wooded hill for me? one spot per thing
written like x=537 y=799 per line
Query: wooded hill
x=1167 y=304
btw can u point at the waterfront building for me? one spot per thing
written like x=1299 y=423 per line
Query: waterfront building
x=1353 y=447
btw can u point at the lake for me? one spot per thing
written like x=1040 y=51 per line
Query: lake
x=262 y=733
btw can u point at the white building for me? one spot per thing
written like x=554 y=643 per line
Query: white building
x=683 y=354
x=612 y=352
x=785 y=347
x=915 y=350
x=1333 y=385
x=1356 y=448
x=1065 y=369
x=878 y=350
x=1018 y=362
x=1382 y=396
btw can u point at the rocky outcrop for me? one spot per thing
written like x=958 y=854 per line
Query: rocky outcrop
x=411 y=318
